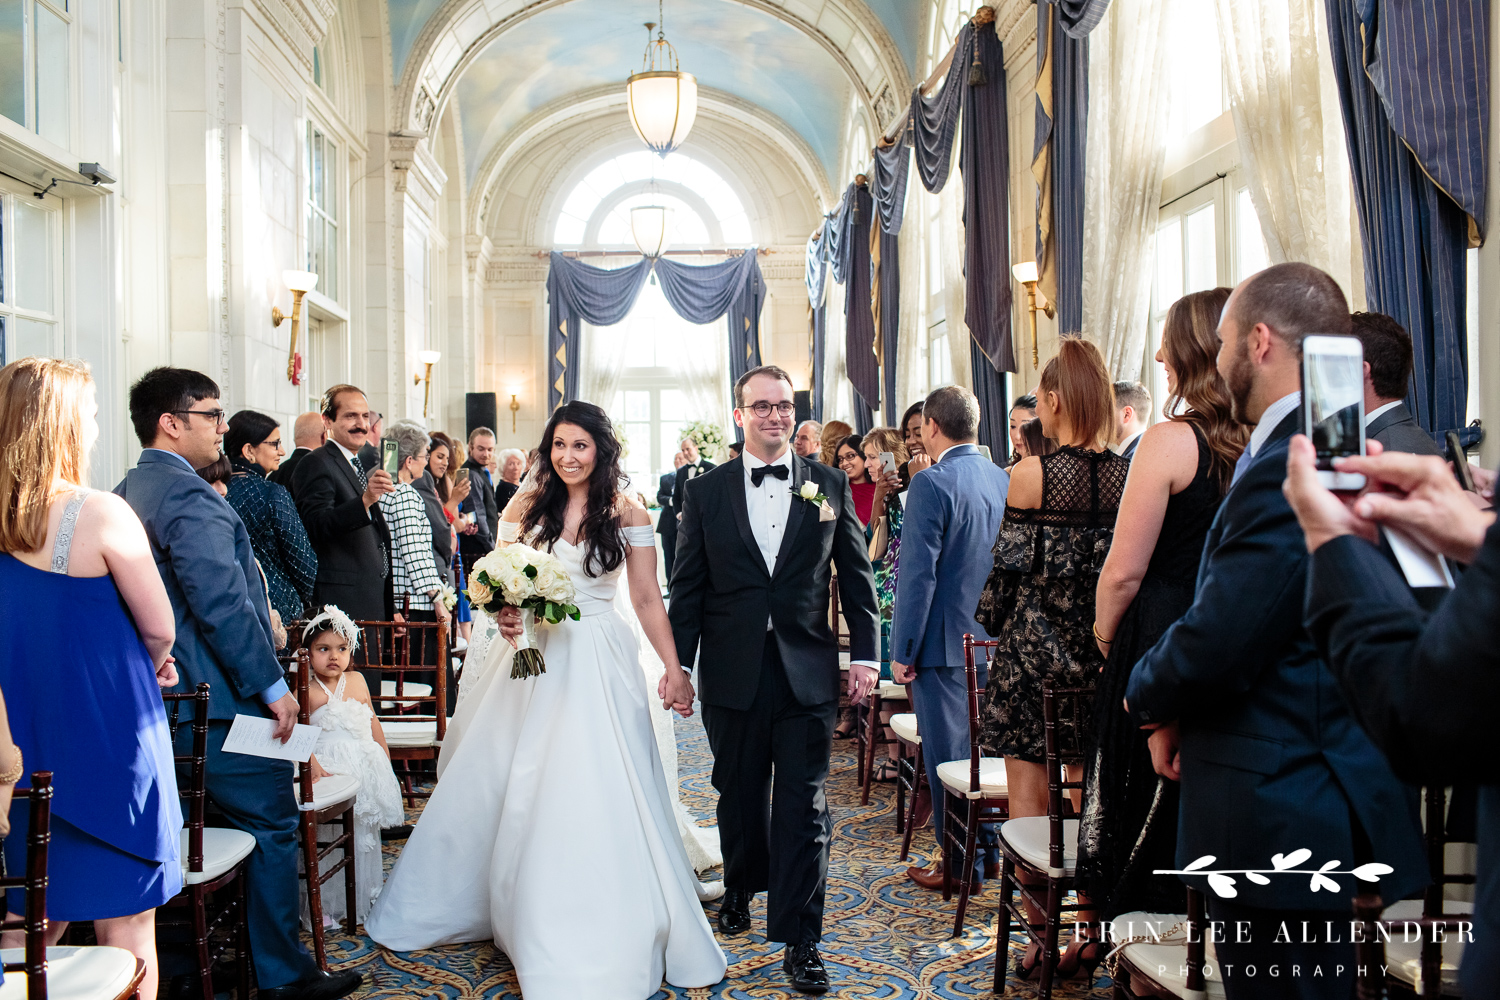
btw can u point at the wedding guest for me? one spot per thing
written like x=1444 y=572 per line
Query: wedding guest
x=666 y=523
x=1132 y=414
x=216 y=474
x=851 y=458
x=834 y=433
x=1039 y=598
x=308 y=435
x=443 y=537
x=911 y=436
x=203 y=554
x=735 y=450
x=1022 y=410
x=9 y=752
x=808 y=440
x=1388 y=364
x=953 y=513
x=444 y=460
x=531 y=458
x=1247 y=716
x=512 y=465
x=369 y=453
x=277 y=537
x=1035 y=442
x=885 y=507
x=483 y=504
x=693 y=466
x=84 y=702
x=1178 y=478
x=415 y=582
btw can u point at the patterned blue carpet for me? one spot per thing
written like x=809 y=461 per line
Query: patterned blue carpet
x=886 y=938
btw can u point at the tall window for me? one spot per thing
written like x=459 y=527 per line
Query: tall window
x=35 y=55
x=322 y=210
x=705 y=210
x=30 y=259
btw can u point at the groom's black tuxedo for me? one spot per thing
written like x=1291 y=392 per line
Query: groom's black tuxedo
x=722 y=592
x=770 y=696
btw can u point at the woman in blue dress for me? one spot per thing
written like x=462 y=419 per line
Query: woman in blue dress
x=86 y=634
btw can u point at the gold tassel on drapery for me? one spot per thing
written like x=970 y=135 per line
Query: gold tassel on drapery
x=1041 y=164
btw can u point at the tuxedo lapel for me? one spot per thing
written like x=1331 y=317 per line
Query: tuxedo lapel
x=736 y=488
x=794 y=515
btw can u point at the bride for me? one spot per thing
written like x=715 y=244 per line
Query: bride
x=552 y=829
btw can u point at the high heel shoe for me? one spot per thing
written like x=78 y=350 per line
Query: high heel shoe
x=1026 y=971
x=1082 y=955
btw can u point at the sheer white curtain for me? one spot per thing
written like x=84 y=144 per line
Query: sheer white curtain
x=1129 y=108
x=1291 y=138
x=955 y=291
x=602 y=363
x=702 y=367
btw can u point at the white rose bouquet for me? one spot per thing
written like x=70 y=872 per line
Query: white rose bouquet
x=534 y=581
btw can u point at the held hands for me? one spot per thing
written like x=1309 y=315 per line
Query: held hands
x=166 y=674
x=284 y=710
x=377 y=485
x=675 y=689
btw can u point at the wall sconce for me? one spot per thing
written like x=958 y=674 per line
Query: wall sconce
x=300 y=282
x=1027 y=275
x=515 y=408
x=428 y=359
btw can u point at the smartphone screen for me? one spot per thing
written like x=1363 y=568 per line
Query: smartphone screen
x=1333 y=404
x=388 y=460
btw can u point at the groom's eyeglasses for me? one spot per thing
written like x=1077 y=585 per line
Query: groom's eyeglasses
x=763 y=409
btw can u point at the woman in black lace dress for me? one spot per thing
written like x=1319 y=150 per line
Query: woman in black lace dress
x=1039 y=598
x=1178 y=478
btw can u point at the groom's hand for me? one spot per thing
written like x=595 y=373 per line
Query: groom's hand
x=862 y=681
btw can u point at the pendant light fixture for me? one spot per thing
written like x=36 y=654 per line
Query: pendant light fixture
x=648 y=226
x=663 y=100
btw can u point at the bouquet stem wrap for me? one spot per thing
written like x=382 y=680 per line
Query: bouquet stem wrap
x=528 y=661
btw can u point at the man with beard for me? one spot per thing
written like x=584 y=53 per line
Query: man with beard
x=1247 y=715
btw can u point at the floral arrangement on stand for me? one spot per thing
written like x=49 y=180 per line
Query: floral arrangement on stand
x=709 y=437
x=534 y=581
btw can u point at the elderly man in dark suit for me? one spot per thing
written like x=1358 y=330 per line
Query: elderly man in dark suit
x=1388 y=365
x=1423 y=684
x=308 y=434
x=224 y=639
x=339 y=503
x=1251 y=720
x=666 y=524
x=693 y=466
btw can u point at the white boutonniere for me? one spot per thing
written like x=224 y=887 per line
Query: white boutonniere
x=809 y=492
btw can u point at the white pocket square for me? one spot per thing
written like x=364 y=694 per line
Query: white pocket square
x=825 y=513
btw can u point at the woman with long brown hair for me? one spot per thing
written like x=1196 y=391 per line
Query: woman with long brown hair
x=1181 y=471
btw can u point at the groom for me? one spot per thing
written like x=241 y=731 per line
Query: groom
x=751 y=582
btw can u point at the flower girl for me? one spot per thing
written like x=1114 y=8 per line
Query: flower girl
x=351 y=743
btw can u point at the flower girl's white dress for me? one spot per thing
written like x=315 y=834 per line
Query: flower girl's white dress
x=347 y=746
x=551 y=829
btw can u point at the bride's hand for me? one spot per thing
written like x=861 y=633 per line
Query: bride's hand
x=676 y=691
x=509 y=621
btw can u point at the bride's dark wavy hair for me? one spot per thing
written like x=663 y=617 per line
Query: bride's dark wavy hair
x=598 y=532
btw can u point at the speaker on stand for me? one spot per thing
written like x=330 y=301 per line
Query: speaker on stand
x=480 y=411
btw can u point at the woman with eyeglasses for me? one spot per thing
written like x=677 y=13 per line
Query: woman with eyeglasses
x=415 y=578
x=277 y=537
x=851 y=458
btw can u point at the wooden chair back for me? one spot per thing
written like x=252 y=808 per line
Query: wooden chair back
x=193 y=792
x=34 y=883
x=387 y=647
x=1065 y=721
x=971 y=677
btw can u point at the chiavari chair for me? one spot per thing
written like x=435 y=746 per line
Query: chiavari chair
x=413 y=714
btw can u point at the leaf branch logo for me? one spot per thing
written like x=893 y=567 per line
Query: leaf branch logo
x=1223 y=885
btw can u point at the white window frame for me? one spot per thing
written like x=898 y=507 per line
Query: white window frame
x=30 y=84
x=12 y=195
x=315 y=214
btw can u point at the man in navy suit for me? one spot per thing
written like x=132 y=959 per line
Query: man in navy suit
x=1249 y=717
x=224 y=638
x=953 y=513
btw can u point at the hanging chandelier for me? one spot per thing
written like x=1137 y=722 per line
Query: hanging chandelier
x=663 y=100
x=648 y=226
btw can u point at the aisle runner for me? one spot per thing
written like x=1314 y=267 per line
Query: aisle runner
x=887 y=940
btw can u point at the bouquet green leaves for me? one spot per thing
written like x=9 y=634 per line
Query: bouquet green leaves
x=534 y=581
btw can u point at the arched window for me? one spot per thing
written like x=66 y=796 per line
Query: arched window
x=706 y=211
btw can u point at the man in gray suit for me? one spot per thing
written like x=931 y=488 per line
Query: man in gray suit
x=953 y=512
x=224 y=639
x=1388 y=362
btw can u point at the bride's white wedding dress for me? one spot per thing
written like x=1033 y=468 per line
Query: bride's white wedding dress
x=552 y=829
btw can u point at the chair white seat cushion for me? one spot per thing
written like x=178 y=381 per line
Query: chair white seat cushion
x=905 y=727
x=1404 y=958
x=1163 y=958
x=330 y=790
x=1030 y=838
x=891 y=692
x=74 y=973
x=955 y=777
x=410 y=734
x=416 y=690
x=223 y=848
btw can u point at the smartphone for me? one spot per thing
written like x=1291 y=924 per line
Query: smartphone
x=888 y=462
x=1460 y=460
x=388 y=460
x=1333 y=405
x=984 y=450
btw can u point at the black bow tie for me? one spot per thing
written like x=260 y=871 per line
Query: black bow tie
x=775 y=471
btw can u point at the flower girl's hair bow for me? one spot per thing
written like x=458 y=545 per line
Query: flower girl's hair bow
x=331 y=618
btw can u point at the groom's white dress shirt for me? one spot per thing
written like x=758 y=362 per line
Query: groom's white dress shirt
x=768 y=506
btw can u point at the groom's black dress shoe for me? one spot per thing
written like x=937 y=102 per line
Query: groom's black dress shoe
x=734 y=912
x=318 y=986
x=804 y=967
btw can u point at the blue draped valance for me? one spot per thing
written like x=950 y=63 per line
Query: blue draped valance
x=580 y=293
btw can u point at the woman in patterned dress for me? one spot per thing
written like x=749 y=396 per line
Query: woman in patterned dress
x=416 y=582
x=1039 y=598
x=277 y=537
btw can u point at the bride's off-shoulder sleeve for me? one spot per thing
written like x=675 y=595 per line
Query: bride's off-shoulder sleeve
x=509 y=532
x=639 y=536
